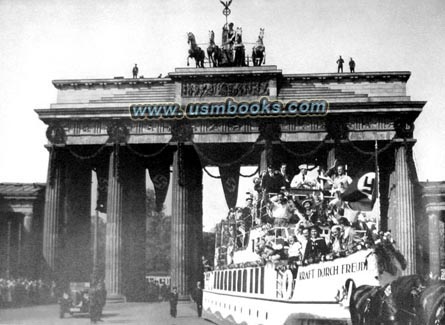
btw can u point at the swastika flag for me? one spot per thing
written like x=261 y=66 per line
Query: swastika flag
x=362 y=192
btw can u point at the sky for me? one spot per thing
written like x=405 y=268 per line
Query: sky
x=44 y=40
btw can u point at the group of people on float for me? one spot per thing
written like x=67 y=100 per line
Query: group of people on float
x=309 y=205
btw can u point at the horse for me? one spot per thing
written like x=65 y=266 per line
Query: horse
x=240 y=56
x=195 y=52
x=400 y=299
x=372 y=304
x=213 y=51
x=258 y=51
x=432 y=304
x=407 y=300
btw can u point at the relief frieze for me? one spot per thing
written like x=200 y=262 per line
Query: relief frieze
x=370 y=123
x=225 y=89
x=303 y=124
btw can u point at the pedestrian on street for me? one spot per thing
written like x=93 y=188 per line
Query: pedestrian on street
x=197 y=298
x=95 y=304
x=102 y=292
x=65 y=303
x=173 y=298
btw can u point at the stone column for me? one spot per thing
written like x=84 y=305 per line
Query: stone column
x=76 y=239
x=52 y=213
x=20 y=247
x=29 y=254
x=186 y=232
x=434 y=244
x=8 y=248
x=385 y=179
x=113 y=241
x=133 y=238
x=392 y=201
x=405 y=227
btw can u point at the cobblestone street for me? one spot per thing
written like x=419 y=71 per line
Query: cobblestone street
x=129 y=313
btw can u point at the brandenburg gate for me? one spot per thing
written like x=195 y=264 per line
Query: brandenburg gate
x=370 y=118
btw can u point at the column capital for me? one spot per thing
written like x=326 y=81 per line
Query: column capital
x=404 y=128
x=404 y=141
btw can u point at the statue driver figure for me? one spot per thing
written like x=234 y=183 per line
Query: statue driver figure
x=228 y=40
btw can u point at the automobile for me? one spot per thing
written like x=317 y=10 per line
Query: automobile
x=79 y=292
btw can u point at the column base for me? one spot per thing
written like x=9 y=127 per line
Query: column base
x=116 y=299
x=183 y=298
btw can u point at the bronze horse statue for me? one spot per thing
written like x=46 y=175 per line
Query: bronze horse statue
x=259 y=50
x=195 y=52
x=213 y=51
x=404 y=300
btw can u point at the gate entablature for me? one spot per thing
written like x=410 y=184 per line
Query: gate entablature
x=367 y=103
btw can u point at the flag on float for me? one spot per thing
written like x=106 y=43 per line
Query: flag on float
x=361 y=194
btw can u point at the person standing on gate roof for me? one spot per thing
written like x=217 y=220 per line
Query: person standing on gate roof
x=173 y=299
x=197 y=298
x=135 y=71
x=340 y=62
x=352 y=65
